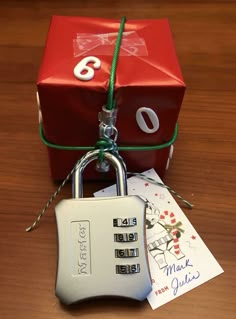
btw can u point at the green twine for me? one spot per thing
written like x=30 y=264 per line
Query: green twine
x=142 y=176
x=153 y=181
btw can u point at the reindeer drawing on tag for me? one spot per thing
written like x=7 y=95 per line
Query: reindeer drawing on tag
x=163 y=234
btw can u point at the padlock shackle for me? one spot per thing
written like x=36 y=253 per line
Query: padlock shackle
x=118 y=164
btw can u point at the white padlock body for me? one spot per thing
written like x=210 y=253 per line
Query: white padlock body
x=102 y=249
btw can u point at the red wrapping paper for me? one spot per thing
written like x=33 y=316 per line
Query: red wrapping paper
x=148 y=75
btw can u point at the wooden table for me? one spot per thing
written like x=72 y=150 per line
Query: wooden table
x=203 y=169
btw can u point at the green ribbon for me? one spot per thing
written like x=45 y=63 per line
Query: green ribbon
x=177 y=226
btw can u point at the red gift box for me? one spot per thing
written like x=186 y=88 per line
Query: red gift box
x=149 y=89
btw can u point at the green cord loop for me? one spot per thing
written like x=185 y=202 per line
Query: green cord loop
x=99 y=142
x=101 y=155
x=110 y=99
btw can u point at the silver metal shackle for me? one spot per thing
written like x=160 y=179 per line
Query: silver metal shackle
x=121 y=180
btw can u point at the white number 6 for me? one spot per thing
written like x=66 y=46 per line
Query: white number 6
x=89 y=71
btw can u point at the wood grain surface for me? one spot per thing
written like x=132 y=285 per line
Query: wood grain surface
x=203 y=169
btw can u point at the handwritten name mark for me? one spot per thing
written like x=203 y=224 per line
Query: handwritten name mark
x=181 y=280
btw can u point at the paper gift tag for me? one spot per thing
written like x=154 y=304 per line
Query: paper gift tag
x=178 y=258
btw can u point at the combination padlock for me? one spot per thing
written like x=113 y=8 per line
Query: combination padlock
x=101 y=241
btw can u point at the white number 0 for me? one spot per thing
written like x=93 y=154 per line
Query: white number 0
x=84 y=72
x=152 y=117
